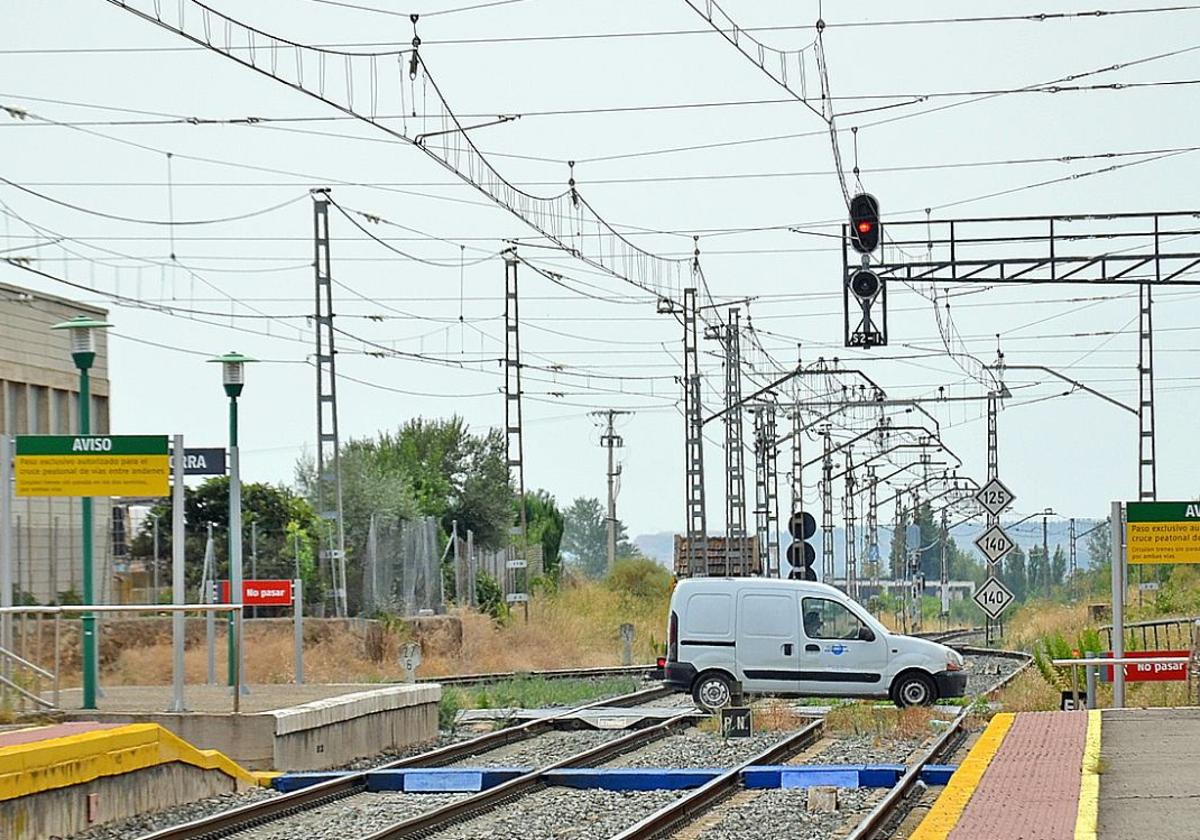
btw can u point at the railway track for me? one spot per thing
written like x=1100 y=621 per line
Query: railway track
x=259 y=813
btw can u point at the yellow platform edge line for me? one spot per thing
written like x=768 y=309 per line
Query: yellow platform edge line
x=1089 y=782
x=945 y=813
x=27 y=769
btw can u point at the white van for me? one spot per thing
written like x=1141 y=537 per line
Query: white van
x=787 y=637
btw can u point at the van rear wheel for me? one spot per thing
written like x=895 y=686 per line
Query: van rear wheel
x=712 y=691
x=914 y=689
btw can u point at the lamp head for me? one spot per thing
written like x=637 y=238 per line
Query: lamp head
x=233 y=372
x=83 y=338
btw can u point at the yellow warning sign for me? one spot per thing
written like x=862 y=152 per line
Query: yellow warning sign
x=1162 y=532
x=54 y=465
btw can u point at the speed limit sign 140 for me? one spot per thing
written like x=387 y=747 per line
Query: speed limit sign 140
x=993 y=597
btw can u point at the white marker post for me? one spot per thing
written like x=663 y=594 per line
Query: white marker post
x=1118 y=603
x=178 y=583
x=298 y=609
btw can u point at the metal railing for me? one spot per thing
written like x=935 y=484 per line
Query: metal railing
x=11 y=662
x=1091 y=662
x=1157 y=633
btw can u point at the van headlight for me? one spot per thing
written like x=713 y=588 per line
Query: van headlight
x=954 y=661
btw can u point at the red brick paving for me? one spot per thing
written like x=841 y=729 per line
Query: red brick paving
x=1030 y=791
x=29 y=736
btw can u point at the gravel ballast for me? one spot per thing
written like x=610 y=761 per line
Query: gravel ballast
x=560 y=813
x=985 y=672
x=782 y=813
x=541 y=750
x=694 y=748
x=354 y=816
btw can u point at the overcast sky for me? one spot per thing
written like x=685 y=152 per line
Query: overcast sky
x=94 y=76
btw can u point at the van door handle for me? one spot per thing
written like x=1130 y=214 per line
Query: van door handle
x=787 y=648
x=813 y=648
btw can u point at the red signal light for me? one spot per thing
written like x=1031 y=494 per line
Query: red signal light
x=864 y=227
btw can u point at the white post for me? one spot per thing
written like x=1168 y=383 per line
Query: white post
x=298 y=610
x=1118 y=603
x=154 y=564
x=178 y=583
x=206 y=597
x=6 y=541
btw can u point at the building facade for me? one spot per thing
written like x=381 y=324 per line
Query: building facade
x=39 y=394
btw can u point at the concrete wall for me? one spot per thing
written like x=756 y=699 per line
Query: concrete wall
x=39 y=394
x=64 y=811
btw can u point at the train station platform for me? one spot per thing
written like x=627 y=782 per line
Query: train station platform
x=280 y=726
x=1117 y=774
x=60 y=779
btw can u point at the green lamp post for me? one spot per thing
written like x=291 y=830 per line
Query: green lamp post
x=83 y=352
x=233 y=376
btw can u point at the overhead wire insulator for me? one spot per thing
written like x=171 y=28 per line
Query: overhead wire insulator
x=416 y=44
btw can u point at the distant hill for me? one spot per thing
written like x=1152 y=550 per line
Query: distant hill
x=661 y=545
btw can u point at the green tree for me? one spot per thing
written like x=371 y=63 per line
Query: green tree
x=1014 y=574
x=1058 y=567
x=276 y=512
x=545 y=524
x=585 y=537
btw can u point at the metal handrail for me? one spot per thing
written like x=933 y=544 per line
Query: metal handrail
x=115 y=608
x=1124 y=660
x=42 y=672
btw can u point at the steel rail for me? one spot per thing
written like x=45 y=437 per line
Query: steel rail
x=702 y=798
x=483 y=801
x=889 y=806
x=258 y=813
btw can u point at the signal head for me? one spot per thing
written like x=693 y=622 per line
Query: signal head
x=864 y=223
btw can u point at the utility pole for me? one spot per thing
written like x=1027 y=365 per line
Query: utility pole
x=735 y=461
x=696 y=548
x=827 y=509
x=945 y=576
x=611 y=441
x=873 y=529
x=993 y=467
x=851 y=530
x=514 y=442
x=1045 y=557
x=329 y=470
x=1072 y=560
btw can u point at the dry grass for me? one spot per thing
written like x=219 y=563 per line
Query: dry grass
x=775 y=715
x=1029 y=692
x=1041 y=618
x=574 y=627
x=879 y=721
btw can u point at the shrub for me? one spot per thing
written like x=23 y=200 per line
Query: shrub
x=640 y=578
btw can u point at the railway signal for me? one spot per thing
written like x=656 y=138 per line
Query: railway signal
x=800 y=554
x=866 y=287
x=864 y=223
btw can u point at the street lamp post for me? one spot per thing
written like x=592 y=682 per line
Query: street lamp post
x=83 y=352
x=233 y=370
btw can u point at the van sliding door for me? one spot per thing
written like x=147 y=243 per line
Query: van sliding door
x=768 y=635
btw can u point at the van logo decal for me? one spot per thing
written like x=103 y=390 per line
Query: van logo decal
x=837 y=650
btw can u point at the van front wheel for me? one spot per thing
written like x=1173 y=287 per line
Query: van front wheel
x=914 y=689
x=712 y=691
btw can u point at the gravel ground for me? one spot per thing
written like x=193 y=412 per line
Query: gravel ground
x=781 y=813
x=693 y=748
x=541 y=749
x=983 y=672
x=354 y=816
x=561 y=813
x=143 y=824
x=869 y=749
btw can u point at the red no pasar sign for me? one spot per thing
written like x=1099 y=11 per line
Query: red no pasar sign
x=261 y=593
x=1153 y=671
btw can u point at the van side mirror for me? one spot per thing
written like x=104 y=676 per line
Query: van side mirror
x=865 y=634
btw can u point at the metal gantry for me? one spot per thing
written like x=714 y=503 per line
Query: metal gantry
x=771 y=567
x=827 y=508
x=514 y=437
x=1147 y=472
x=329 y=472
x=696 y=549
x=851 y=524
x=737 y=546
x=873 y=528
